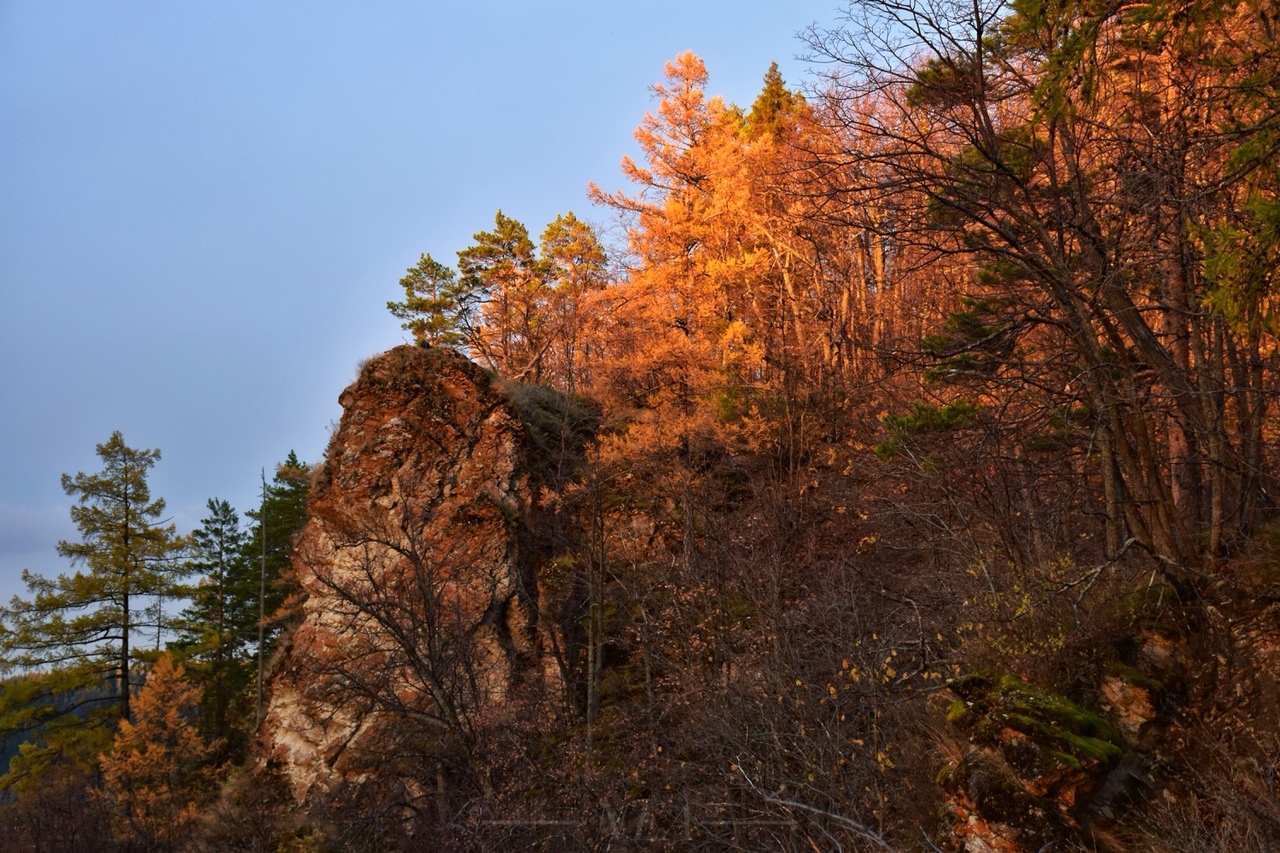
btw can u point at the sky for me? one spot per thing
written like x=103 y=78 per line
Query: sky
x=205 y=207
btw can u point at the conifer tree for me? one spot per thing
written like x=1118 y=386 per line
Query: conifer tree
x=73 y=635
x=220 y=629
x=437 y=307
x=503 y=266
x=157 y=768
x=575 y=266
x=772 y=106
x=220 y=623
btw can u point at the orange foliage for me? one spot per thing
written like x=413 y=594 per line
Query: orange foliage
x=154 y=774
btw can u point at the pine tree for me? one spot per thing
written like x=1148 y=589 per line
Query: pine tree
x=74 y=635
x=437 y=307
x=502 y=266
x=219 y=626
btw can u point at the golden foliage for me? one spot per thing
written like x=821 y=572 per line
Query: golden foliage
x=156 y=772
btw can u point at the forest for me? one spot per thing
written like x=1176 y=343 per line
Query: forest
x=906 y=449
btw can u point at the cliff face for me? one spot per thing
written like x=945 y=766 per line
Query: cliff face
x=419 y=570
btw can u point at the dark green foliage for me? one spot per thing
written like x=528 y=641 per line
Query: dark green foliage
x=503 y=268
x=50 y=723
x=944 y=81
x=774 y=104
x=504 y=251
x=219 y=630
x=223 y=596
x=924 y=420
x=977 y=340
x=932 y=419
x=219 y=627
x=572 y=255
x=437 y=306
x=1241 y=262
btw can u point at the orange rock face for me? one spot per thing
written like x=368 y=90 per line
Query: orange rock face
x=419 y=572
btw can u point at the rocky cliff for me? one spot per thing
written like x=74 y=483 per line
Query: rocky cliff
x=419 y=570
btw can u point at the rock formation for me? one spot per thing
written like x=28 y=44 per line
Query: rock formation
x=419 y=572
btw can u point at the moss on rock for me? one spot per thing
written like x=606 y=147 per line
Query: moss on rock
x=1054 y=723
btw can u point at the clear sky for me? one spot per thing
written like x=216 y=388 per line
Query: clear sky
x=204 y=207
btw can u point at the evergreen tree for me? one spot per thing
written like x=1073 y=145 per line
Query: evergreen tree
x=243 y=588
x=284 y=511
x=503 y=266
x=437 y=306
x=772 y=106
x=75 y=632
x=220 y=624
x=575 y=267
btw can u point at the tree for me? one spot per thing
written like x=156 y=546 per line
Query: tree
x=576 y=269
x=243 y=600
x=773 y=106
x=74 y=634
x=1075 y=156
x=220 y=623
x=438 y=306
x=676 y=341
x=157 y=768
x=502 y=265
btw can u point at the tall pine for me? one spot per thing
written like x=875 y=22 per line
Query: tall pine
x=73 y=637
x=219 y=626
x=279 y=519
x=437 y=306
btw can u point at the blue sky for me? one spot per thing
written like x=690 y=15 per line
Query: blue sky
x=204 y=207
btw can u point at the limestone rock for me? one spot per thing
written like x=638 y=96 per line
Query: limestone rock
x=419 y=569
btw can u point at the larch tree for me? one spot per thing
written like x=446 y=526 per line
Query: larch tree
x=715 y=329
x=576 y=269
x=72 y=639
x=666 y=342
x=157 y=769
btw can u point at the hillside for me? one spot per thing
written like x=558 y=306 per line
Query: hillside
x=496 y=666
x=897 y=472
